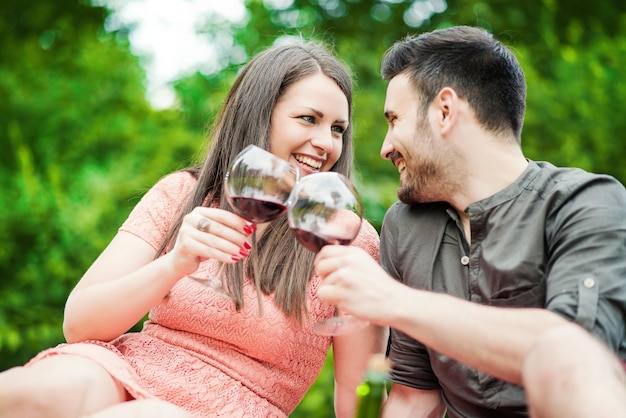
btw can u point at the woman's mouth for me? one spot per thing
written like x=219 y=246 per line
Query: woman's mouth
x=308 y=162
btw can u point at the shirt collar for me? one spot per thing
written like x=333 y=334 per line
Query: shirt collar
x=508 y=193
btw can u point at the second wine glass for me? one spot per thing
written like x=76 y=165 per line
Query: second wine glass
x=257 y=186
x=325 y=208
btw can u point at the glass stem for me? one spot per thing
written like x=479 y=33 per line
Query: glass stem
x=257 y=277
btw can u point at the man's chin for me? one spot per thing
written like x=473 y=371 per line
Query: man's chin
x=405 y=196
x=412 y=195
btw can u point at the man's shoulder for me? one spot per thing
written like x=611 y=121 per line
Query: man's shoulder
x=566 y=182
x=568 y=177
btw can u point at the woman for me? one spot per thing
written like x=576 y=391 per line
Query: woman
x=201 y=354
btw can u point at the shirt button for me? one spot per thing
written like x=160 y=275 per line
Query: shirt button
x=465 y=260
x=589 y=282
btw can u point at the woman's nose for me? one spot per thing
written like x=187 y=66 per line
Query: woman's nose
x=323 y=140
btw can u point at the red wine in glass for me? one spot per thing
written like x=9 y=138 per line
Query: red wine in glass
x=255 y=210
x=257 y=186
x=314 y=243
x=325 y=209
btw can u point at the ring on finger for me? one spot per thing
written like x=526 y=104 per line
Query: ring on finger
x=204 y=224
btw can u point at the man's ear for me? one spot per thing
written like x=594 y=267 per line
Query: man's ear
x=447 y=109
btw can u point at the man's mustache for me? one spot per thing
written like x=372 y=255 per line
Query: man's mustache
x=395 y=156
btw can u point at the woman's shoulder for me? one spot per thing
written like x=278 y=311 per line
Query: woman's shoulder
x=368 y=229
x=153 y=215
x=368 y=239
x=172 y=187
x=181 y=180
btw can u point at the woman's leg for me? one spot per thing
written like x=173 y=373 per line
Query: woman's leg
x=64 y=386
x=142 y=409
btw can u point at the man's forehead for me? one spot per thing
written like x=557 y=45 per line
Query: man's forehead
x=400 y=94
x=399 y=82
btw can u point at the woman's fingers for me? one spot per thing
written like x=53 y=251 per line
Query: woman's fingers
x=215 y=233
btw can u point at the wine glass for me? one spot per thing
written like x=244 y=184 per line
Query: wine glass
x=325 y=208
x=257 y=186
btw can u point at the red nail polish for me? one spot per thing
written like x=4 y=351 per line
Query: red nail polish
x=247 y=245
x=248 y=229
x=235 y=258
x=243 y=253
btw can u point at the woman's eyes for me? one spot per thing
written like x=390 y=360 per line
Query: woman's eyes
x=335 y=128
x=339 y=129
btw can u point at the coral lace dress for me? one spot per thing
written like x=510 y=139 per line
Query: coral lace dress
x=197 y=351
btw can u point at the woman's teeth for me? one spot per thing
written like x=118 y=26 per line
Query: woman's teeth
x=315 y=164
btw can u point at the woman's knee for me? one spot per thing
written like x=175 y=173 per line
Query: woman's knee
x=161 y=409
x=63 y=383
x=13 y=390
x=146 y=408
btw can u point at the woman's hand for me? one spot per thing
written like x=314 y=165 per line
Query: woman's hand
x=210 y=233
x=126 y=280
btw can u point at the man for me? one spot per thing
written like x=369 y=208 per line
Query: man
x=489 y=250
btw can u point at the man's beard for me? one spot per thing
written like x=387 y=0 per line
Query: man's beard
x=425 y=172
x=422 y=184
x=430 y=173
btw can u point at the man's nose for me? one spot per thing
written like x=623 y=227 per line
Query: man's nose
x=386 y=148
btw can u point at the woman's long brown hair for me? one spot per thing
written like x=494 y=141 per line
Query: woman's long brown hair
x=282 y=264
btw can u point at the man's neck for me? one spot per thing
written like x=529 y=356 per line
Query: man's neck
x=489 y=173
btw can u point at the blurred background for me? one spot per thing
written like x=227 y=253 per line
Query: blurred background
x=101 y=99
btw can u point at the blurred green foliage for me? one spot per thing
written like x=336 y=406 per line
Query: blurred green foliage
x=80 y=144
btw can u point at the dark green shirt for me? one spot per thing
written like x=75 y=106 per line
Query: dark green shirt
x=556 y=239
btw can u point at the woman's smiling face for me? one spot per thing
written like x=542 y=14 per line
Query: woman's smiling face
x=308 y=123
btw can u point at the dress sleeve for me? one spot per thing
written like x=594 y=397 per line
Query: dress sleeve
x=159 y=208
x=369 y=240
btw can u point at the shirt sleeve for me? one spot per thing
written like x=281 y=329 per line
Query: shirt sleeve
x=410 y=360
x=159 y=208
x=388 y=244
x=586 y=271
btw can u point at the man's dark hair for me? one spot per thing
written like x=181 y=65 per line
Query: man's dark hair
x=471 y=61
